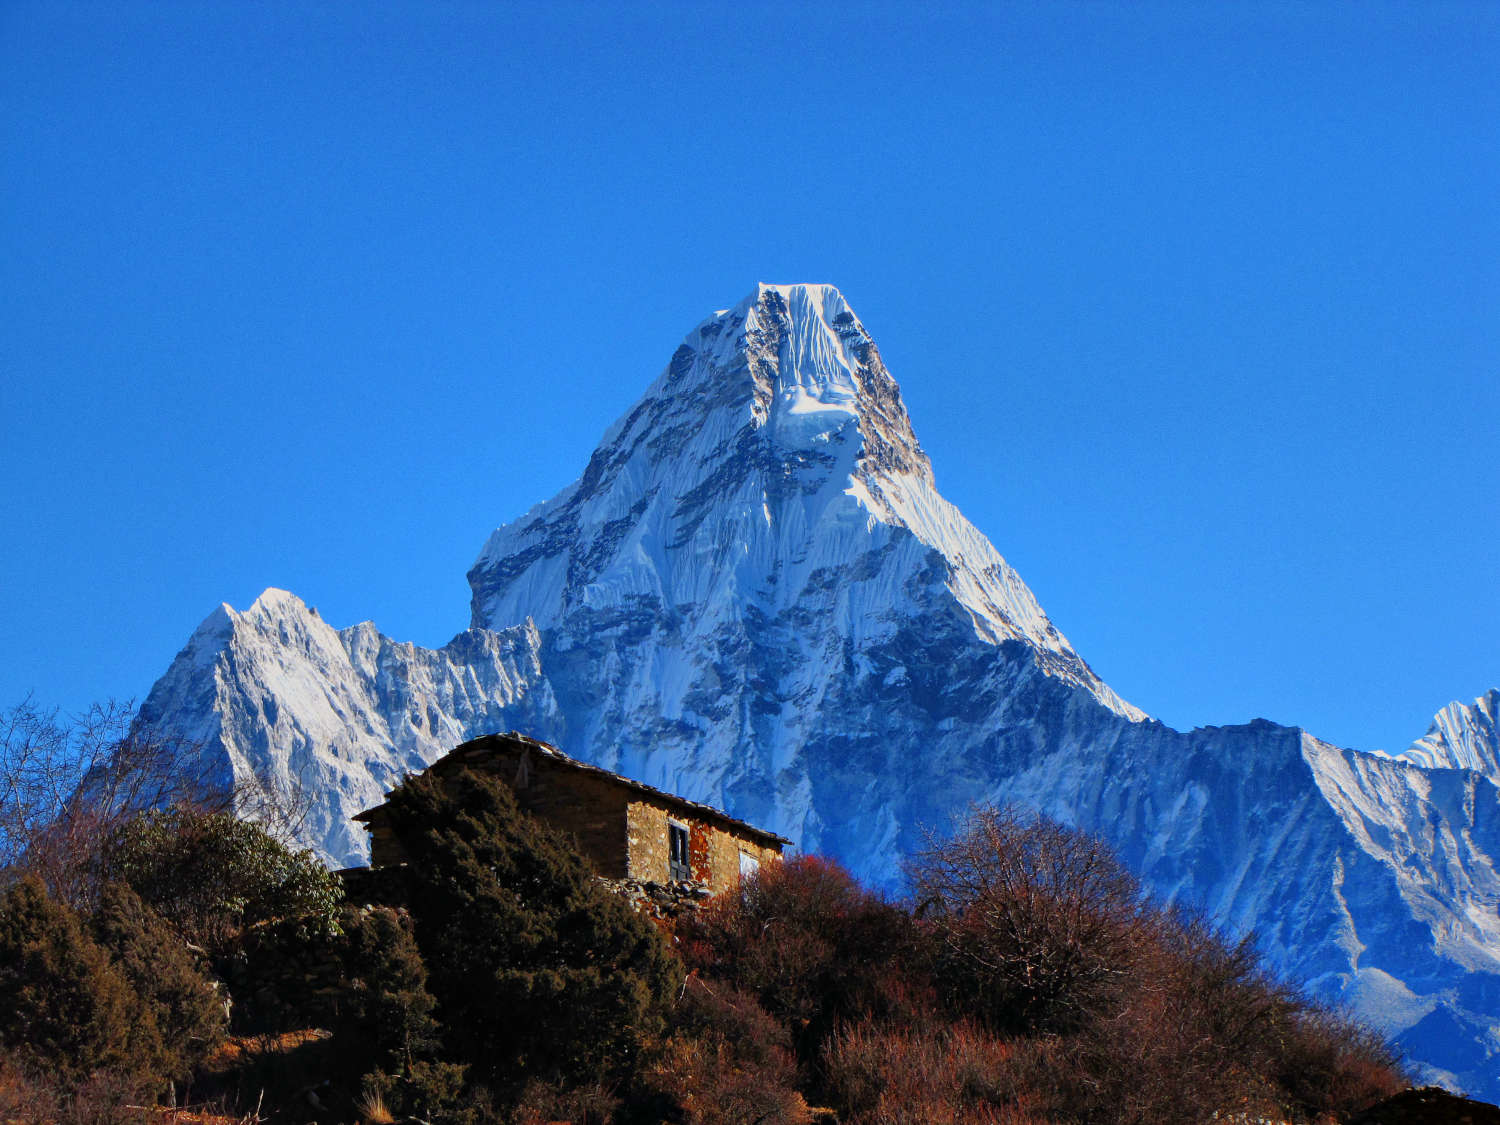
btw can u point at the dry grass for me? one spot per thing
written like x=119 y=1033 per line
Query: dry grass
x=373 y=1110
x=201 y=1115
x=240 y=1051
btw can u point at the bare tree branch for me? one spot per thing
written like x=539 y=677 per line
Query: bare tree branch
x=67 y=781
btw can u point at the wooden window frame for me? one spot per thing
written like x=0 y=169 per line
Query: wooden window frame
x=679 y=868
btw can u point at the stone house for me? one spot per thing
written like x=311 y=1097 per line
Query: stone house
x=629 y=830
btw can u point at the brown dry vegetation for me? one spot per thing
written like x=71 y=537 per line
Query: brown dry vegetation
x=1027 y=981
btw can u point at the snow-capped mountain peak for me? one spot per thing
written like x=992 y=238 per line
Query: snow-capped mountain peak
x=774 y=449
x=754 y=596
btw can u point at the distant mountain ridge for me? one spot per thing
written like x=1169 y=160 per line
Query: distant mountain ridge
x=755 y=596
x=1463 y=737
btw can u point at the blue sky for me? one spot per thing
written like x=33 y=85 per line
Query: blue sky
x=1195 y=307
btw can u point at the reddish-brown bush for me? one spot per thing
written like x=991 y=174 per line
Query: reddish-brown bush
x=1329 y=1066
x=814 y=947
x=1182 y=1042
x=951 y=1074
x=726 y=1062
x=543 y=1103
x=30 y=1095
x=1126 y=1012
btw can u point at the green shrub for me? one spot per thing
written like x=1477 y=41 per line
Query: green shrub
x=384 y=1026
x=189 y=1011
x=214 y=877
x=64 y=1008
x=427 y=1090
x=539 y=973
x=383 y=1000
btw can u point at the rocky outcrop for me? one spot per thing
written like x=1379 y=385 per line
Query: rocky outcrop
x=663 y=903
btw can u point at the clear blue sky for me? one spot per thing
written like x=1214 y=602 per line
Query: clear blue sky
x=1195 y=307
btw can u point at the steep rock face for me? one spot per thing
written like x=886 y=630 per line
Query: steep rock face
x=278 y=697
x=754 y=596
x=760 y=536
x=771 y=462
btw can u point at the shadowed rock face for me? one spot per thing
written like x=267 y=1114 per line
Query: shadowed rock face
x=755 y=597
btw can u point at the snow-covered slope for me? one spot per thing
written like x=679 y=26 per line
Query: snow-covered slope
x=775 y=447
x=756 y=597
x=1462 y=736
x=277 y=698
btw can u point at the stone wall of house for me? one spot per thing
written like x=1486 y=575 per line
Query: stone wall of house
x=591 y=807
x=713 y=851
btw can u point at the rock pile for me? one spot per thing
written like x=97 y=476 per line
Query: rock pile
x=661 y=902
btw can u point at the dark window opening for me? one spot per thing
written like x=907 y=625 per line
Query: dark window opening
x=678 y=869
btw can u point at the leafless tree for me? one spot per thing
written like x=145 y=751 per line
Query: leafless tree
x=67 y=781
x=1039 y=923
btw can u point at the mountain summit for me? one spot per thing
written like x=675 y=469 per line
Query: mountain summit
x=755 y=597
x=774 y=450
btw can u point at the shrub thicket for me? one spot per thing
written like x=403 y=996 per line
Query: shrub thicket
x=814 y=947
x=65 y=1009
x=215 y=877
x=727 y=1061
x=496 y=980
x=265 y=914
x=168 y=978
x=540 y=974
x=1328 y=1065
x=1037 y=926
x=385 y=1029
x=1120 y=1011
x=937 y=1074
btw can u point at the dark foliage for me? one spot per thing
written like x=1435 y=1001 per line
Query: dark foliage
x=384 y=1002
x=65 y=1010
x=385 y=1027
x=215 y=877
x=539 y=973
x=189 y=1011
